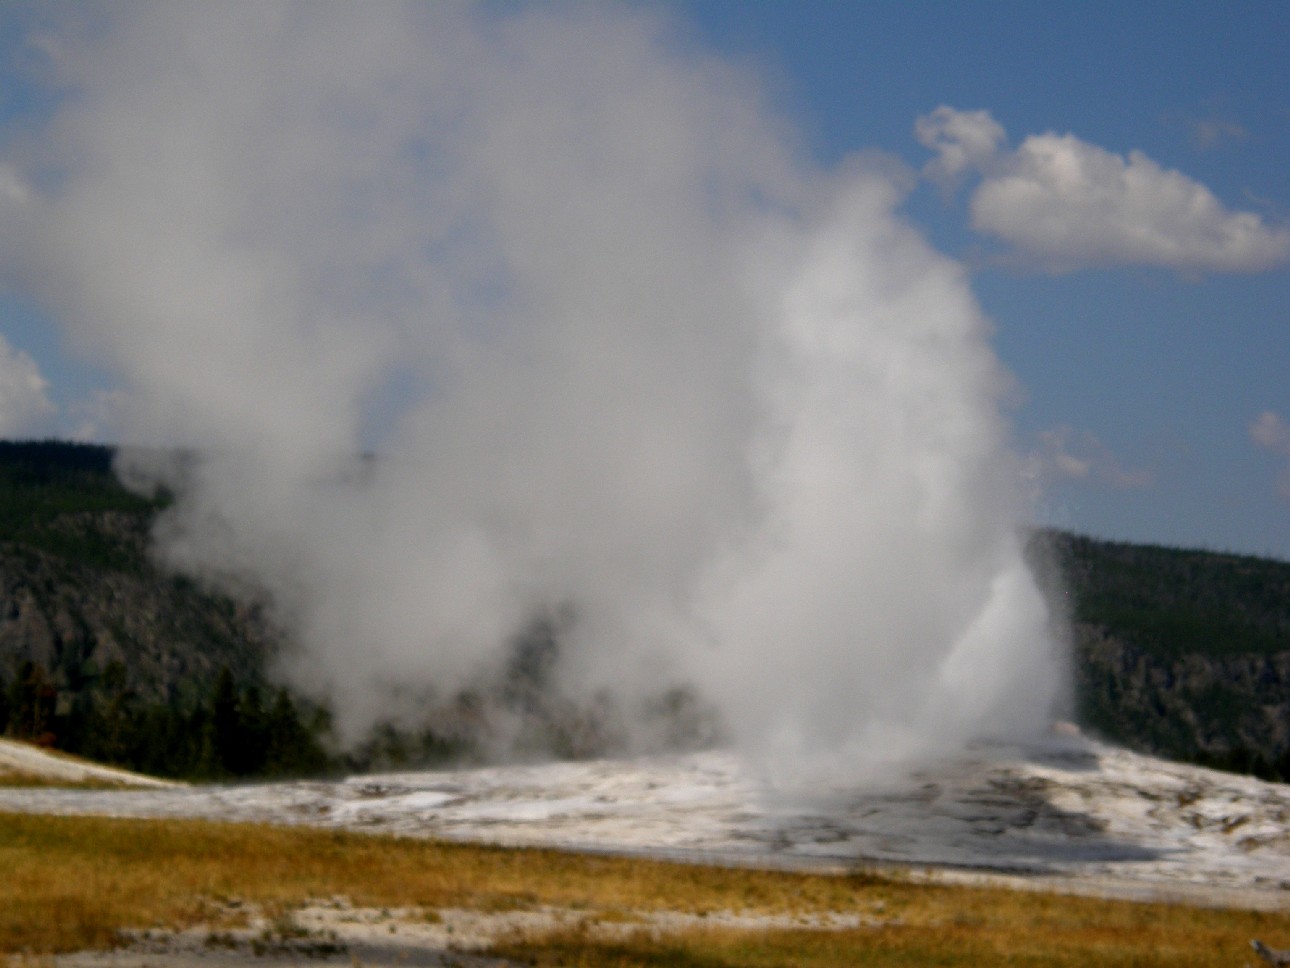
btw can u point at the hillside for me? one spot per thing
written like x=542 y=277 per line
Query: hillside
x=1183 y=654
x=103 y=654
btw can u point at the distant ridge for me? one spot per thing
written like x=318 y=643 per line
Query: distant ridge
x=1179 y=653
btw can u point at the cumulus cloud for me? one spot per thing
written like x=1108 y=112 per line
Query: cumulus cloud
x=25 y=407
x=1064 y=453
x=622 y=359
x=962 y=140
x=1271 y=432
x=1065 y=204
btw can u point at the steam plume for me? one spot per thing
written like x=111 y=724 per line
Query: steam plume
x=621 y=354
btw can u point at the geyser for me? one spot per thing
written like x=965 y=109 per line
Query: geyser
x=621 y=353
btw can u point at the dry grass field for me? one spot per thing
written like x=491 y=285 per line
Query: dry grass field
x=76 y=883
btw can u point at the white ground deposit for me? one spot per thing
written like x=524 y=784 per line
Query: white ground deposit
x=26 y=760
x=1066 y=812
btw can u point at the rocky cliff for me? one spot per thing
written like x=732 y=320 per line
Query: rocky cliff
x=79 y=592
x=76 y=618
x=1231 y=711
x=103 y=653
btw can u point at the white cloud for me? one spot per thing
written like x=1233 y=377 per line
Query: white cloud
x=1067 y=203
x=1064 y=453
x=24 y=406
x=1064 y=204
x=962 y=140
x=1272 y=432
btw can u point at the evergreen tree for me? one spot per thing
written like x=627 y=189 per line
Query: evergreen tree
x=223 y=726
x=115 y=722
x=249 y=741
x=32 y=700
x=290 y=748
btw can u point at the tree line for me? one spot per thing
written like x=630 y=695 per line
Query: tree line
x=235 y=732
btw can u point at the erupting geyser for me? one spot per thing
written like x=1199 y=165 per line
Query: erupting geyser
x=623 y=356
x=882 y=608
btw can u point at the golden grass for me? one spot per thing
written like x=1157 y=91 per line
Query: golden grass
x=72 y=883
x=940 y=926
x=894 y=947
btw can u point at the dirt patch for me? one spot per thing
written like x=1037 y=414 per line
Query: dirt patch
x=334 y=931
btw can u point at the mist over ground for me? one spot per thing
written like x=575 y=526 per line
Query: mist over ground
x=632 y=367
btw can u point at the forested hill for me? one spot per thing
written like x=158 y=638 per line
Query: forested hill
x=103 y=654
x=1181 y=653
x=1173 y=602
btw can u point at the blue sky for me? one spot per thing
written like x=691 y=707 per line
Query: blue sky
x=1152 y=384
x=1154 y=376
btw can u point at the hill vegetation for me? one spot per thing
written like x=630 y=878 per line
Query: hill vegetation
x=1184 y=654
x=105 y=655
x=1180 y=653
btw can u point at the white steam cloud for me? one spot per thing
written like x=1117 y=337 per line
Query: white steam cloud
x=622 y=358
